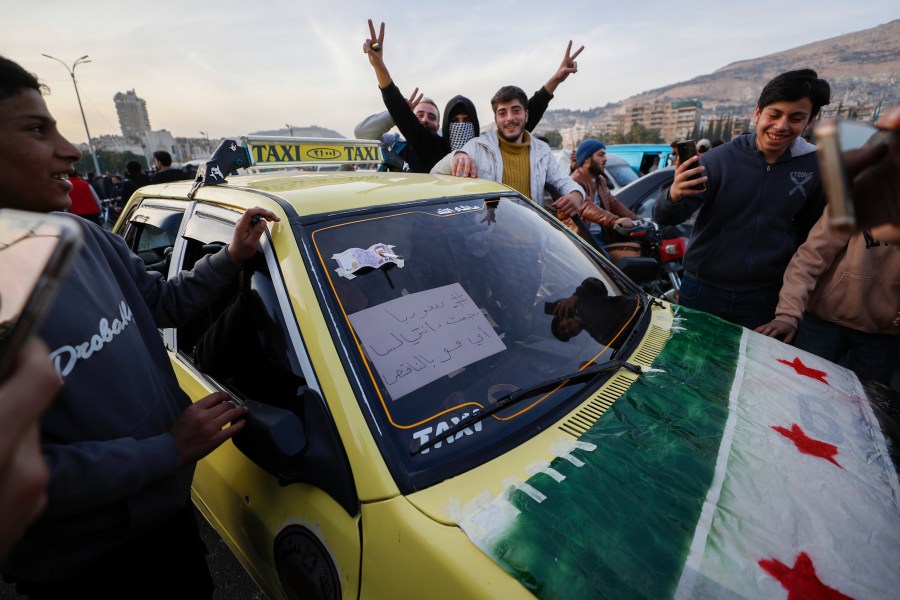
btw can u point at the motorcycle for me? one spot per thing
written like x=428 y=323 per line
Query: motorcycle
x=650 y=258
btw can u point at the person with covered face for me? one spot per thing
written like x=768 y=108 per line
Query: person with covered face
x=460 y=118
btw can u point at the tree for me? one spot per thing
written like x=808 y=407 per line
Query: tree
x=554 y=138
x=638 y=134
x=726 y=133
x=696 y=133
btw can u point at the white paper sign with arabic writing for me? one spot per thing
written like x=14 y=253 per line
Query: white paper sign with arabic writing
x=418 y=338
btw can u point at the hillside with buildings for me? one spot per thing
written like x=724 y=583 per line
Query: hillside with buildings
x=862 y=68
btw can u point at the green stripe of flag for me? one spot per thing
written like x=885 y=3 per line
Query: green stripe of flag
x=621 y=525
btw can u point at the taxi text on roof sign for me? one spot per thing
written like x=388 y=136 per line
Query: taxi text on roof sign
x=267 y=151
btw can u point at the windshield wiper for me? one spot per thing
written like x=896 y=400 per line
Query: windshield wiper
x=512 y=398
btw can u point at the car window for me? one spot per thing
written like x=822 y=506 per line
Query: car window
x=245 y=345
x=646 y=209
x=151 y=234
x=241 y=339
x=450 y=306
x=622 y=173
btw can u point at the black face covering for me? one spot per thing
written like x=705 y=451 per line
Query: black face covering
x=460 y=133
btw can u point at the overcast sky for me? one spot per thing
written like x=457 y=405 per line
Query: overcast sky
x=229 y=67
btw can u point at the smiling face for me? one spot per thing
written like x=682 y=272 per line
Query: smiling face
x=428 y=116
x=510 y=118
x=779 y=124
x=35 y=158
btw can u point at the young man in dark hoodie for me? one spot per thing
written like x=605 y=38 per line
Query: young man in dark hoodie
x=121 y=440
x=428 y=146
x=762 y=195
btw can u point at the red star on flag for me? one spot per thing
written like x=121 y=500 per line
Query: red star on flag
x=802 y=369
x=808 y=445
x=800 y=581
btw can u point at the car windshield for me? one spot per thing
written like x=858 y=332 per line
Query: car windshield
x=448 y=306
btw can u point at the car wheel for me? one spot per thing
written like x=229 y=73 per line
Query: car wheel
x=305 y=568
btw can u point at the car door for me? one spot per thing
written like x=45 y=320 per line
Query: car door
x=296 y=540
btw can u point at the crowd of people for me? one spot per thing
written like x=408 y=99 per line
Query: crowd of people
x=762 y=253
x=101 y=198
x=112 y=487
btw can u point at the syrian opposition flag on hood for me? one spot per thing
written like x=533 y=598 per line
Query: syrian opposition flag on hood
x=739 y=467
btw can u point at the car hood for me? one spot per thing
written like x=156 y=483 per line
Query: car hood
x=732 y=463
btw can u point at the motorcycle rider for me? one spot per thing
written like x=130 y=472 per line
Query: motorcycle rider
x=601 y=209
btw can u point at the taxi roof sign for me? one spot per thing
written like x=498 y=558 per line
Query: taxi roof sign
x=299 y=152
x=255 y=152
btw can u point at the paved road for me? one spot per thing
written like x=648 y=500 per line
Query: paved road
x=232 y=582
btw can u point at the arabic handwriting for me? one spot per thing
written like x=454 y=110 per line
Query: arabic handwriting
x=421 y=336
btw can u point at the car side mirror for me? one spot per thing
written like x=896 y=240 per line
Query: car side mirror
x=274 y=439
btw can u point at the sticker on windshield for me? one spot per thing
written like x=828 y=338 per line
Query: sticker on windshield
x=418 y=338
x=353 y=260
x=458 y=209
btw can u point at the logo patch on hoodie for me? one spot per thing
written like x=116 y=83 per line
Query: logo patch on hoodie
x=800 y=179
x=65 y=358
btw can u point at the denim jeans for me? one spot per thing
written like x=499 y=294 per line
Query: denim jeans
x=869 y=355
x=750 y=308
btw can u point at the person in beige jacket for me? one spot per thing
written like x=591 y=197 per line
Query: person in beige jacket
x=841 y=297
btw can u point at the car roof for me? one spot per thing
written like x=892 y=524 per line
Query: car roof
x=315 y=193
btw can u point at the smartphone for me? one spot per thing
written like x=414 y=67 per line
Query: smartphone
x=834 y=174
x=686 y=149
x=36 y=251
x=834 y=137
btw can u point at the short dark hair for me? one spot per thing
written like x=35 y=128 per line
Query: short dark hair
x=164 y=158
x=14 y=80
x=427 y=100
x=796 y=85
x=508 y=93
x=133 y=167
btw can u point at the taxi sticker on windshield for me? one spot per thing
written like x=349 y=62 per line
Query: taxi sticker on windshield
x=352 y=260
x=418 y=338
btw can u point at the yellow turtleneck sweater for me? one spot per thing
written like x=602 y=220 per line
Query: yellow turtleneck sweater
x=516 y=164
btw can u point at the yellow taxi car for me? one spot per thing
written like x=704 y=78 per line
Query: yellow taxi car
x=451 y=396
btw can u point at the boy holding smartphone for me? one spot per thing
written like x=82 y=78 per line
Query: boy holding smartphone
x=763 y=194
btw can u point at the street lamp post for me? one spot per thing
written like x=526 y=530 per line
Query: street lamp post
x=83 y=59
x=291 y=127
